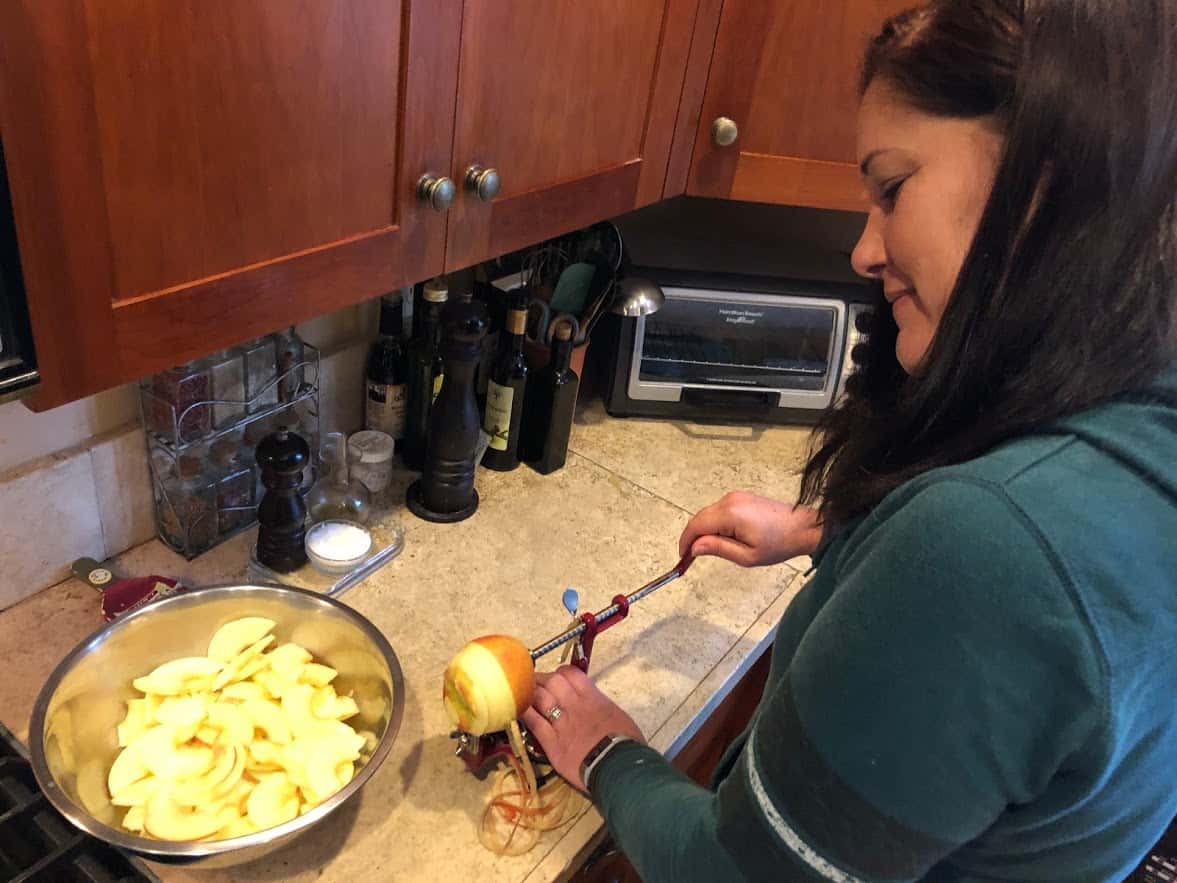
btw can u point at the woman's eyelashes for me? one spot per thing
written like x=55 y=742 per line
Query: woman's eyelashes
x=889 y=192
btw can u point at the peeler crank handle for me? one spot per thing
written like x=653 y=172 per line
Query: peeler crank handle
x=613 y=609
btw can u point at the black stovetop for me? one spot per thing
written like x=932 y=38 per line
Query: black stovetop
x=38 y=845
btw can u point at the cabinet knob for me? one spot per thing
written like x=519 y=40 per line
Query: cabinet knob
x=437 y=191
x=724 y=131
x=484 y=182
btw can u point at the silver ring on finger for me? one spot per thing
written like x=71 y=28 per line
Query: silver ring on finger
x=553 y=713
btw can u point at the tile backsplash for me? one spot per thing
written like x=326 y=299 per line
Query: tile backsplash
x=54 y=511
x=94 y=499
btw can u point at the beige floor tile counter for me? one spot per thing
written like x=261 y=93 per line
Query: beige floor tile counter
x=606 y=523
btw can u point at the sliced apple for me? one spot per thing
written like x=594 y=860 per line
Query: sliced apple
x=296 y=706
x=317 y=675
x=208 y=735
x=133 y=820
x=273 y=683
x=242 y=826
x=267 y=717
x=323 y=702
x=127 y=768
x=184 y=675
x=244 y=664
x=182 y=711
x=235 y=726
x=140 y=716
x=288 y=660
x=168 y=820
x=273 y=802
x=203 y=790
x=233 y=637
x=137 y=793
x=243 y=691
x=169 y=757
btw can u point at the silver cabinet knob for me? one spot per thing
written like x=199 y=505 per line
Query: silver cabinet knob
x=724 y=131
x=437 y=191
x=484 y=182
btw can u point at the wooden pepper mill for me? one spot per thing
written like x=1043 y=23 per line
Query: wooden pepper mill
x=281 y=515
x=445 y=491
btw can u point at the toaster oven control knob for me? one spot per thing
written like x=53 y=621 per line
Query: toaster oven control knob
x=484 y=182
x=724 y=131
x=859 y=353
x=862 y=322
x=437 y=191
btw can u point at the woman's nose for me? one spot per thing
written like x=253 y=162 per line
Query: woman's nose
x=869 y=257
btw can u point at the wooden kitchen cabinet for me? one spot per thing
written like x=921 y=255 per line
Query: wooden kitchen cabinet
x=573 y=104
x=785 y=74
x=186 y=174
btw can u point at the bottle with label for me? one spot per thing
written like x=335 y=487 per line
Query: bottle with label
x=386 y=396
x=504 y=390
x=426 y=373
x=547 y=420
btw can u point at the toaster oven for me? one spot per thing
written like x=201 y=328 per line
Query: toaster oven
x=738 y=349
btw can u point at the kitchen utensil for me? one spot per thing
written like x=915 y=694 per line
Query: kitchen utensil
x=574 y=288
x=476 y=751
x=543 y=323
x=76 y=713
x=592 y=624
x=121 y=595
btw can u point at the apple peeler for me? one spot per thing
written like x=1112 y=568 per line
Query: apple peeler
x=477 y=751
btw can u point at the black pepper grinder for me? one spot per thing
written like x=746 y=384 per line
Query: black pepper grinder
x=445 y=491
x=281 y=515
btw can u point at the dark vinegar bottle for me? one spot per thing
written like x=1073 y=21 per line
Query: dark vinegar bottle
x=426 y=373
x=547 y=422
x=504 y=390
x=387 y=388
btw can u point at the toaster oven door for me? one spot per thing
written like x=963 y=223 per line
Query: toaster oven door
x=785 y=346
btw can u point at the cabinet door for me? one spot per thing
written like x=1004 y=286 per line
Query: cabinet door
x=190 y=173
x=786 y=73
x=573 y=103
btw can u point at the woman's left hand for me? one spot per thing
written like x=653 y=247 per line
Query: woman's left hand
x=585 y=717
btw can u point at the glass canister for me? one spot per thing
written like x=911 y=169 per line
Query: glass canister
x=369 y=454
x=234 y=484
x=260 y=358
x=336 y=495
x=189 y=512
x=179 y=411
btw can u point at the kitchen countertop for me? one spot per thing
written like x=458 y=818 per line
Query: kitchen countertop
x=606 y=523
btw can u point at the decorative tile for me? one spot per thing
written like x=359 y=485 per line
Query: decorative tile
x=123 y=485
x=50 y=518
x=341 y=389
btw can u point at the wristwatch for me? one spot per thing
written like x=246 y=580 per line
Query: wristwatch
x=598 y=753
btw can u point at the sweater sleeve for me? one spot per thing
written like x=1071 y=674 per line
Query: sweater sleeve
x=948 y=677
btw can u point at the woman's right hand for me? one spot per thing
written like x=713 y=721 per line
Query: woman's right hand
x=751 y=530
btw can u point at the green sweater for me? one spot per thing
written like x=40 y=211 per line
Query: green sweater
x=979 y=683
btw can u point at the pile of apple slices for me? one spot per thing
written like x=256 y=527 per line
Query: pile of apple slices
x=234 y=742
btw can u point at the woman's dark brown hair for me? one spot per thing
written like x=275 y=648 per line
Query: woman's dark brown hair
x=1068 y=295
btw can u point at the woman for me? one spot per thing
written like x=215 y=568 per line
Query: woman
x=978 y=682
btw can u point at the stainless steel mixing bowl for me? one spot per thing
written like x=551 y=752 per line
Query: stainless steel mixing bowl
x=72 y=736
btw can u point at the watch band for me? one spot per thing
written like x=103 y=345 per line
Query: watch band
x=598 y=753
